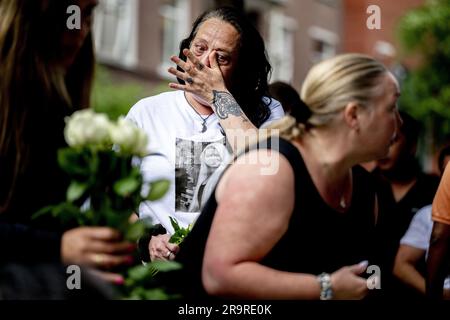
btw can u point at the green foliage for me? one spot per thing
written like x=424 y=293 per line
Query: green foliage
x=425 y=31
x=109 y=184
x=158 y=189
x=180 y=233
x=116 y=99
x=106 y=188
x=141 y=283
x=111 y=98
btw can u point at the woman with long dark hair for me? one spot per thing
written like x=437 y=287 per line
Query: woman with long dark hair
x=46 y=74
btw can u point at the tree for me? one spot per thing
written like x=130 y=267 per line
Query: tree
x=426 y=90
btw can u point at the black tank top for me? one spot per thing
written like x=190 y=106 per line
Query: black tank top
x=318 y=239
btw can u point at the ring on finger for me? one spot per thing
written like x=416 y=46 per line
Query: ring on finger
x=190 y=80
x=98 y=259
x=168 y=254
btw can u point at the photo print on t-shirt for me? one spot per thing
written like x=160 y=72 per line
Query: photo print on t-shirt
x=198 y=166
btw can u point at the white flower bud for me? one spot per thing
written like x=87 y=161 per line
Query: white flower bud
x=86 y=127
x=129 y=138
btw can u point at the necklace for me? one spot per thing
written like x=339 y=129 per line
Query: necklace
x=204 y=127
x=343 y=201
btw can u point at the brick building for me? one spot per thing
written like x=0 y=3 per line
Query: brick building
x=137 y=37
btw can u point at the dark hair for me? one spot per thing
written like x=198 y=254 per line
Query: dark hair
x=35 y=93
x=291 y=101
x=410 y=128
x=285 y=94
x=445 y=152
x=250 y=79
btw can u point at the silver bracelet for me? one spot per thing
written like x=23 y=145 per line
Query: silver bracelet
x=326 y=291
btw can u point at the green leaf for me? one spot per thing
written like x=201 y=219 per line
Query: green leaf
x=44 y=211
x=180 y=233
x=161 y=266
x=72 y=162
x=115 y=219
x=158 y=189
x=135 y=231
x=126 y=186
x=66 y=212
x=155 y=294
x=75 y=190
x=165 y=266
x=174 y=224
x=94 y=164
x=139 y=273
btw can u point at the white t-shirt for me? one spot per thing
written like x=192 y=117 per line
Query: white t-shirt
x=419 y=233
x=178 y=152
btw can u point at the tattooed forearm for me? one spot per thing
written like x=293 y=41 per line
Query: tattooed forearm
x=225 y=105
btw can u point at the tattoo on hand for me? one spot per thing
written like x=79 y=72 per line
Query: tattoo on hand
x=225 y=105
x=200 y=66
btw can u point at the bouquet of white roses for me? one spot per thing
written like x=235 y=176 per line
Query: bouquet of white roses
x=102 y=161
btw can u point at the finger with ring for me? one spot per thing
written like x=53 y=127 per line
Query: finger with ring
x=168 y=254
x=98 y=259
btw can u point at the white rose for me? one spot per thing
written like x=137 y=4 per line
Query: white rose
x=86 y=127
x=129 y=138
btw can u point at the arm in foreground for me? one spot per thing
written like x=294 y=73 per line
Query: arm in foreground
x=253 y=214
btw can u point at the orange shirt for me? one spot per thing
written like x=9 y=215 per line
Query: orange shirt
x=441 y=202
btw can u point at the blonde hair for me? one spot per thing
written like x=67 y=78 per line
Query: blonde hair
x=329 y=86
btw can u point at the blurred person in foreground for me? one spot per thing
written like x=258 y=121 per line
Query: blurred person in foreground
x=46 y=74
x=438 y=261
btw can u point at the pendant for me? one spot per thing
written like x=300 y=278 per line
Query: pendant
x=204 y=128
x=342 y=203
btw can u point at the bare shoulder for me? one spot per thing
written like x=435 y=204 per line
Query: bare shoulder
x=255 y=202
x=259 y=173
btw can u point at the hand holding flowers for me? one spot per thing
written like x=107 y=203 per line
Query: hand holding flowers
x=102 y=162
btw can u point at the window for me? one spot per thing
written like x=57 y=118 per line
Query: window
x=175 y=27
x=330 y=3
x=384 y=49
x=323 y=43
x=115 y=32
x=281 y=46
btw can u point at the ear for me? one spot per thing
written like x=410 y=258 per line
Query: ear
x=352 y=115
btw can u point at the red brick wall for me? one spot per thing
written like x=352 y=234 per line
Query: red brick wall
x=358 y=38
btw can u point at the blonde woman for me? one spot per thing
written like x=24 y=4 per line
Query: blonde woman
x=305 y=231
